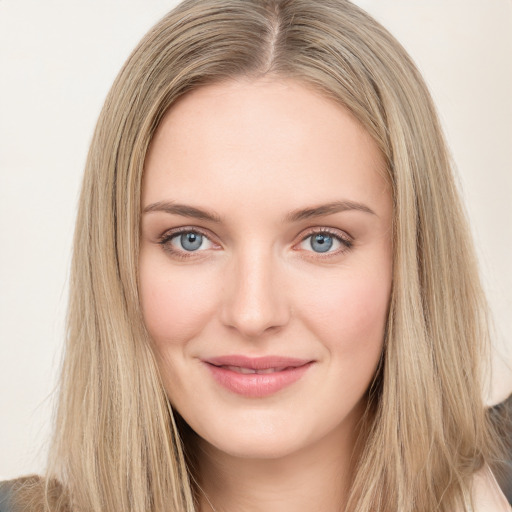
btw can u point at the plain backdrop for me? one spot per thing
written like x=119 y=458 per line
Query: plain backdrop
x=58 y=59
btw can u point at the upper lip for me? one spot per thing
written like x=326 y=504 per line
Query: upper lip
x=257 y=363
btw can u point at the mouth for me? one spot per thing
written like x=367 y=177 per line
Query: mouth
x=256 y=377
x=248 y=371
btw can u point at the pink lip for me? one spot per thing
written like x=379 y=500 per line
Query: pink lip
x=256 y=385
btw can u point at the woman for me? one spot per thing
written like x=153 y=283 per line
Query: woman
x=274 y=300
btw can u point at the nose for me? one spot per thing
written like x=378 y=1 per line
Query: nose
x=254 y=298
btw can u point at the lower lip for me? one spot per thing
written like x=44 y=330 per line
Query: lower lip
x=257 y=385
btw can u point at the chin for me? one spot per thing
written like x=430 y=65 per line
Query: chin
x=254 y=446
x=260 y=436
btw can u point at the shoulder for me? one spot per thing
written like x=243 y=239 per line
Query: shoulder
x=5 y=497
x=30 y=493
x=487 y=496
x=8 y=490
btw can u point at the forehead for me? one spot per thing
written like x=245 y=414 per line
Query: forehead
x=277 y=141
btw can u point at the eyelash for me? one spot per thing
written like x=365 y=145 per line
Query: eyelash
x=165 y=239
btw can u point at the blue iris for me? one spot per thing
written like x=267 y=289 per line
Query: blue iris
x=321 y=242
x=191 y=241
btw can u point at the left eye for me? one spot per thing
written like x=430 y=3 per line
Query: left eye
x=322 y=242
x=190 y=241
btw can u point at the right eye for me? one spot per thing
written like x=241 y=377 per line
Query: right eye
x=186 y=241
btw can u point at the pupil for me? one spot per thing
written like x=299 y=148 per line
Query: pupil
x=191 y=241
x=321 y=243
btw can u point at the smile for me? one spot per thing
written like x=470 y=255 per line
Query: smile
x=256 y=377
x=241 y=369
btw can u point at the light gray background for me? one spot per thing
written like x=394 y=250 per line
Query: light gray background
x=58 y=59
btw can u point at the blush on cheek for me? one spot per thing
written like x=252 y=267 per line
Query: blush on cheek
x=366 y=312
x=354 y=303
x=351 y=318
x=175 y=311
x=357 y=341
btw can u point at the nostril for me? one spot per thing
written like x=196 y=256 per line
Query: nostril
x=255 y=321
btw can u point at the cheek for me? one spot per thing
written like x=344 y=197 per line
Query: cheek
x=175 y=304
x=364 y=311
x=353 y=334
x=349 y=316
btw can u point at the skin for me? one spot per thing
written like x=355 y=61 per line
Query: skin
x=253 y=152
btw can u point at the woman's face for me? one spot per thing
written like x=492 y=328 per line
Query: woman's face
x=265 y=264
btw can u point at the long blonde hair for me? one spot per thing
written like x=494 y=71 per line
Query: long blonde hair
x=117 y=446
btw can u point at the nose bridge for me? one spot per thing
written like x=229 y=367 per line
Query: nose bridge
x=254 y=298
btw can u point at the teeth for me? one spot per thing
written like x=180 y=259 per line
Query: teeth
x=268 y=370
x=271 y=370
x=240 y=369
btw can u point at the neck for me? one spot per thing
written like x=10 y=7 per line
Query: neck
x=316 y=477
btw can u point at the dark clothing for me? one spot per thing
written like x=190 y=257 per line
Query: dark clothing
x=501 y=416
x=5 y=496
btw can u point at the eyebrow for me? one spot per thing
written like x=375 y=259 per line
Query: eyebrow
x=183 y=210
x=293 y=216
x=327 y=209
